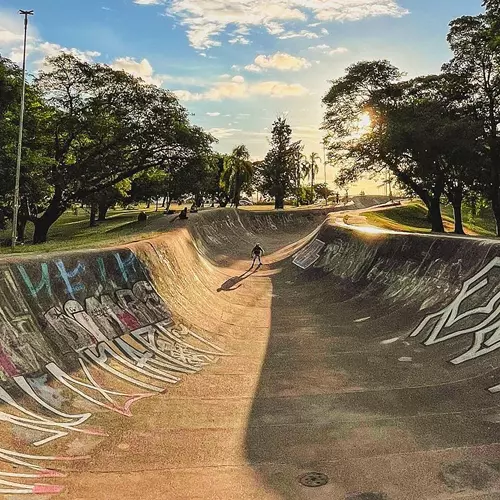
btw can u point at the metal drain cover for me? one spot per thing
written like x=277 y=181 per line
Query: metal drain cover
x=314 y=479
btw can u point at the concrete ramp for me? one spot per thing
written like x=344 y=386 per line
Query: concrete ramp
x=170 y=369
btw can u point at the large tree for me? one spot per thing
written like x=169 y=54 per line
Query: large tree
x=278 y=170
x=474 y=42
x=422 y=130
x=33 y=188
x=106 y=126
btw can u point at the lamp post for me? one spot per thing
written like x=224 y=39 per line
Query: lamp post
x=324 y=159
x=26 y=14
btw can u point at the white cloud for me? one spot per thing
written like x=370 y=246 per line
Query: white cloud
x=330 y=51
x=279 y=89
x=222 y=133
x=148 y=2
x=321 y=48
x=275 y=28
x=242 y=90
x=11 y=43
x=298 y=34
x=141 y=69
x=241 y=40
x=238 y=79
x=224 y=76
x=216 y=113
x=254 y=68
x=280 y=61
x=206 y=19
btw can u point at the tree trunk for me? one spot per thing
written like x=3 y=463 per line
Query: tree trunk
x=44 y=223
x=148 y=203
x=435 y=215
x=157 y=204
x=21 y=227
x=495 y=205
x=93 y=214
x=164 y=201
x=457 y=217
x=168 y=199
x=103 y=211
x=279 y=202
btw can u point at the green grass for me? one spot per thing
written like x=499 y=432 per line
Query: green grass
x=412 y=218
x=72 y=232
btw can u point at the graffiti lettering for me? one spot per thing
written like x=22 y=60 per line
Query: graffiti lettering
x=475 y=311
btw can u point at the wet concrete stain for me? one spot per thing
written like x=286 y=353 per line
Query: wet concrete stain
x=470 y=475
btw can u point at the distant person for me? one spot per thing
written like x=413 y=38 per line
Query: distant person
x=193 y=209
x=182 y=216
x=257 y=253
x=142 y=217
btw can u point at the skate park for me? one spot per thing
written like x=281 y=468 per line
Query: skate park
x=168 y=369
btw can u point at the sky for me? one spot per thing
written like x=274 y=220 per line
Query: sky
x=238 y=64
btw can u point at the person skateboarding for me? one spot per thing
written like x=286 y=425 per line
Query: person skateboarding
x=257 y=253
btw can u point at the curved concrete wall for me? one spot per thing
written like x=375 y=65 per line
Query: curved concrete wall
x=92 y=332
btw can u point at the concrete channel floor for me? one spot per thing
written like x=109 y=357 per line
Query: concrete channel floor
x=312 y=382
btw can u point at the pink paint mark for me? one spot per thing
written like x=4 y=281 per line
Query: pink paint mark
x=129 y=320
x=43 y=489
x=133 y=400
x=125 y=409
x=7 y=365
x=93 y=432
x=51 y=473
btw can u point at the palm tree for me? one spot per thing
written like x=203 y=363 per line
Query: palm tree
x=238 y=172
x=311 y=168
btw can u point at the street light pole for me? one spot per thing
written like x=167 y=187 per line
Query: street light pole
x=26 y=14
x=324 y=160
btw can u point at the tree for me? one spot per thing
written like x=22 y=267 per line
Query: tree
x=105 y=126
x=421 y=130
x=237 y=174
x=474 y=42
x=33 y=187
x=311 y=167
x=278 y=170
x=323 y=191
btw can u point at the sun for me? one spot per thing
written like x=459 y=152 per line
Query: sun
x=364 y=123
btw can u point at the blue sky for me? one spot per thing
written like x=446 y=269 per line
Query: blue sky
x=237 y=64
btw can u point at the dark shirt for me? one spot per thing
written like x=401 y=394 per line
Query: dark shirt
x=257 y=250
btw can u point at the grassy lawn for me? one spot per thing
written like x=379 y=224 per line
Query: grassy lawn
x=412 y=218
x=73 y=232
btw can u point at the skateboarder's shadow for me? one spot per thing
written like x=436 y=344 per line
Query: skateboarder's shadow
x=235 y=282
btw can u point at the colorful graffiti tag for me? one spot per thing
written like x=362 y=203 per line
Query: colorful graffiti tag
x=95 y=329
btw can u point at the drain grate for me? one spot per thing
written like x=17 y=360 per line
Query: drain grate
x=314 y=479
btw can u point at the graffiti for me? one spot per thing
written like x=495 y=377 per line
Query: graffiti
x=92 y=332
x=309 y=255
x=22 y=346
x=474 y=312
